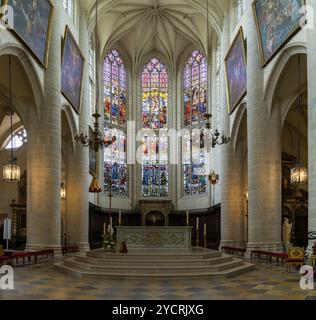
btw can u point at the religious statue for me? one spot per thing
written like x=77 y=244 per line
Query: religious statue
x=287 y=233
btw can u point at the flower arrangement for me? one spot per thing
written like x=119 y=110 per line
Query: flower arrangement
x=109 y=242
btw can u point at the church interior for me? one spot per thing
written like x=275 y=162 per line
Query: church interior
x=158 y=149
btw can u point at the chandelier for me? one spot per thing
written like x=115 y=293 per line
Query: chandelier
x=216 y=138
x=95 y=139
x=299 y=174
x=11 y=170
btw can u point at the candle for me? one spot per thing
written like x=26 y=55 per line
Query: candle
x=111 y=221
x=205 y=229
x=197 y=223
x=187 y=218
x=120 y=218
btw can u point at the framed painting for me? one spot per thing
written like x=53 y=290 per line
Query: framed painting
x=277 y=22
x=32 y=25
x=92 y=158
x=236 y=71
x=72 y=70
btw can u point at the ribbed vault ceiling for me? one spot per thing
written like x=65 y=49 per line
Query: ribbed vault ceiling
x=144 y=26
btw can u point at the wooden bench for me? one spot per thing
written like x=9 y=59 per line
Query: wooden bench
x=4 y=260
x=269 y=255
x=42 y=253
x=70 y=249
x=234 y=251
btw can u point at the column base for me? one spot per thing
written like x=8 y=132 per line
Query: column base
x=232 y=243
x=84 y=247
x=273 y=247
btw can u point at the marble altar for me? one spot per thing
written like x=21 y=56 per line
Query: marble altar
x=155 y=238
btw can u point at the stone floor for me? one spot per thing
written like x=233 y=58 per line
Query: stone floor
x=43 y=282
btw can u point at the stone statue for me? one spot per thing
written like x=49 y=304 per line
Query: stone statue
x=287 y=234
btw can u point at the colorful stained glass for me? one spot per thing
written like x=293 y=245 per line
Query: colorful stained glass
x=195 y=89
x=195 y=106
x=115 y=156
x=154 y=117
x=115 y=88
x=154 y=95
x=194 y=160
x=155 y=166
x=115 y=168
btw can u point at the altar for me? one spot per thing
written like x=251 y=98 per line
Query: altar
x=155 y=238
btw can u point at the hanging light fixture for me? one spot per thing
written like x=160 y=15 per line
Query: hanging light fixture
x=95 y=186
x=214 y=137
x=299 y=174
x=11 y=171
x=95 y=139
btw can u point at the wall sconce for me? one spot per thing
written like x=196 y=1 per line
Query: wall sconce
x=63 y=191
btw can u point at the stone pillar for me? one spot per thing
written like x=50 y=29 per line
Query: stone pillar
x=232 y=233
x=44 y=154
x=264 y=154
x=77 y=169
x=311 y=63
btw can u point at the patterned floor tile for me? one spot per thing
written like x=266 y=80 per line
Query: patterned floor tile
x=265 y=282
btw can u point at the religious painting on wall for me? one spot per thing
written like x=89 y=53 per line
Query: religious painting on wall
x=72 y=71
x=236 y=72
x=92 y=158
x=277 y=21
x=32 y=25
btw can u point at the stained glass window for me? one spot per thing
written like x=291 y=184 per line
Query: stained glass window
x=154 y=118
x=195 y=106
x=115 y=87
x=115 y=168
x=155 y=95
x=69 y=7
x=17 y=141
x=195 y=89
x=115 y=108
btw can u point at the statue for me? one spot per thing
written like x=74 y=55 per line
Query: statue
x=287 y=234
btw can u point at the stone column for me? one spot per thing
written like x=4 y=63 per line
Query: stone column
x=264 y=154
x=311 y=63
x=232 y=233
x=77 y=182
x=44 y=154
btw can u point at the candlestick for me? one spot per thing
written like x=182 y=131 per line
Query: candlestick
x=204 y=229
x=104 y=228
x=187 y=213
x=197 y=223
x=120 y=218
x=111 y=221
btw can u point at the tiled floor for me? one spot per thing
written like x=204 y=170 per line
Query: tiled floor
x=265 y=282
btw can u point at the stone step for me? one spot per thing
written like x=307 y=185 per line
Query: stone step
x=155 y=256
x=177 y=268
x=78 y=272
x=168 y=262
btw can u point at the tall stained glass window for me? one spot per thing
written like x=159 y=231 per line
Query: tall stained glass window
x=195 y=106
x=154 y=119
x=115 y=108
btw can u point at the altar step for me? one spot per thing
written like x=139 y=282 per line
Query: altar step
x=197 y=264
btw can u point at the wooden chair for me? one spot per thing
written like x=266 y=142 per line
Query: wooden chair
x=296 y=258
